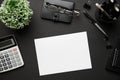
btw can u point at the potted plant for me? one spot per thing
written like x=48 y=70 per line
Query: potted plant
x=15 y=14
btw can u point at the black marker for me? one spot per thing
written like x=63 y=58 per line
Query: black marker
x=96 y=24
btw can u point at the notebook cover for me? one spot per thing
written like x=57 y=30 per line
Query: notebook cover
x=51 y=14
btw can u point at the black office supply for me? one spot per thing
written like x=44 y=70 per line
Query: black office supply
x=87 y=5
x=104 y=12
x=113 y=62
x=96 y=24
x=58 y=10
x=108 y=11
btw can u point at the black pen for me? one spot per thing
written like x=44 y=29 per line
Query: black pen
x=95 y=23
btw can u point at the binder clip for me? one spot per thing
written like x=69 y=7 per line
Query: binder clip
x=62 y=11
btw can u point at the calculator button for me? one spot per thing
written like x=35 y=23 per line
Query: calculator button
x=17 y=56
x=14 y=64
x=4 y=64
x=5 y=68
x=18 y=59
x=19 y=63
x=12 y=58
x=3 y=60
x=1 y=54
x=6 y=55
x=9 y=51
x=11 y=54
x=0 y=65
x=7 y=59
x=5 y=52
x=15 y=49
x=13 y=61
x=10 y=66
x=16 y=52
x=1 y=57
x=1 y=69
x=8 y=62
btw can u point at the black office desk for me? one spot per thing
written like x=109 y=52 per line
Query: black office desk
x=42 y=28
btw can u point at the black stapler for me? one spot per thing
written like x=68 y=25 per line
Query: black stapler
x=113 y=63
x=58 y=10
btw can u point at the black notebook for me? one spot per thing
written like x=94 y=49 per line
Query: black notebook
x=57 y=10
x=113 y=62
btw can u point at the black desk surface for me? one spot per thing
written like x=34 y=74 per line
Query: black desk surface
x=42 y=28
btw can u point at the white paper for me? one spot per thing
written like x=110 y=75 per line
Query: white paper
x=63 y=53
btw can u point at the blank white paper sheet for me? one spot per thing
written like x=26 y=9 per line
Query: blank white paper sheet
x=63 y=53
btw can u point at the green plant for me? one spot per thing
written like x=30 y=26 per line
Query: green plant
x=15 y=13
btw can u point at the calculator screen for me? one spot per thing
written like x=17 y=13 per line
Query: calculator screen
x=6 y=43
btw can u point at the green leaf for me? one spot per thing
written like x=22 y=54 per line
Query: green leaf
x=15 y=13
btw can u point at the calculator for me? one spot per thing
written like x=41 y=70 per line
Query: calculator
x=10 y=56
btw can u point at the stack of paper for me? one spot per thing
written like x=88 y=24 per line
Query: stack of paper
x=63 y=53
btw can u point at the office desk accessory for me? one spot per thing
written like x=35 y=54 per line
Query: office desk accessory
x=63 y=53
x=87 y=5
x=106 y=37
x=10 y=56
x=58 y=10
x=15 y=14
x=113 y=63
x=108 y=11
x=93 y=21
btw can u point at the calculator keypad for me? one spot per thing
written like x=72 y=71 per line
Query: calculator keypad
x=10 y=59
